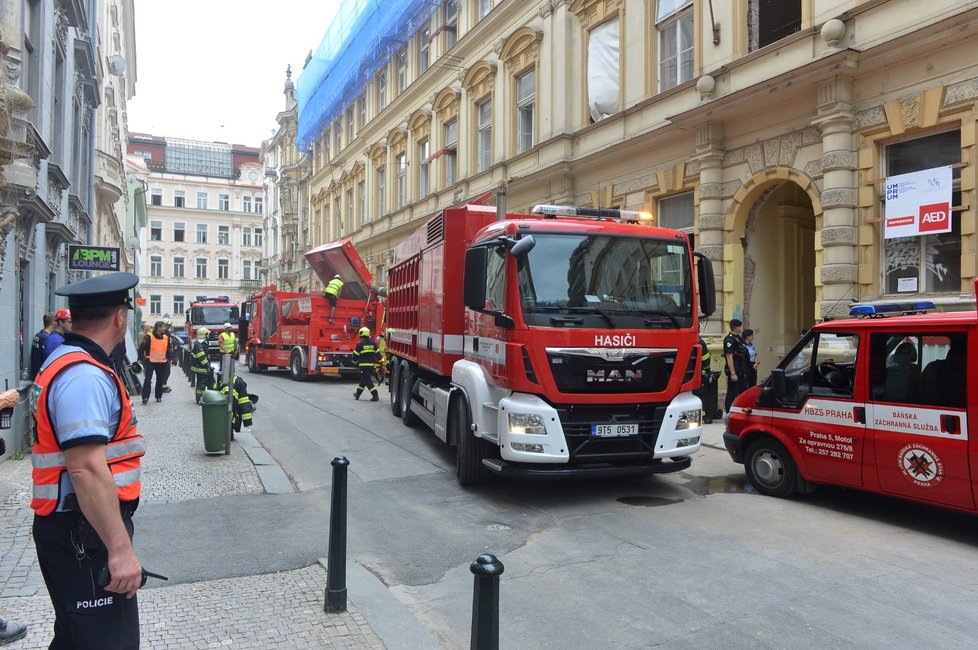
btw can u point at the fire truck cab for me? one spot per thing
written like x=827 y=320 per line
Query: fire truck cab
x=878 y=403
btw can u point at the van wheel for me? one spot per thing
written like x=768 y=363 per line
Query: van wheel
x=770 y=468
x=469 y=450
x=394 y=388
x=296 y=369
x=405 y=388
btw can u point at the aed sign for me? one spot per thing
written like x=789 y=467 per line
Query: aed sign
x=92 y=258
x=918 y=203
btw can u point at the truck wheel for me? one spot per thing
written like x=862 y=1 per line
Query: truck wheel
x=253 y=362
x=405 y=388
x=296 y=369
x=469 y=450
x=394 y=388
x=770 y=468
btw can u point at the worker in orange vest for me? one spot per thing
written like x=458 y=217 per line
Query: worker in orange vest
x=155 y=353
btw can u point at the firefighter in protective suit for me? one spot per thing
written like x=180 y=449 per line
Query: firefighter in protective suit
x=243 y=404
x=200 y=364
x=365 y=355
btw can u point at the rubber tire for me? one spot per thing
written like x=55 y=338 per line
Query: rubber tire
x=296 y=371
x=253 y=362
x=773 y=454
x=469 y=450
x=405 y=388
x=394 y=387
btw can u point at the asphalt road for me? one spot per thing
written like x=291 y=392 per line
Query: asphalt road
x=695 y=559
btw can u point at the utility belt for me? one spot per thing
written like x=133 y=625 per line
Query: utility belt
x=72 y=511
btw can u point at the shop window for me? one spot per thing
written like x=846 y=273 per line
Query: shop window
x=674 y=22
x=769 y=21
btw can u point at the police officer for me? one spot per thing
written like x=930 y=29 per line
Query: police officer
x=332 y=293
x=86 y=474
x=200 y=364
x=735 y=362
x=365 y=355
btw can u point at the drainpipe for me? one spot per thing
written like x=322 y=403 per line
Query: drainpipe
x=501 y=201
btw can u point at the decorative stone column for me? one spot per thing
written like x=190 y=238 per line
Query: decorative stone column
x=836 y=238
x=709 y=154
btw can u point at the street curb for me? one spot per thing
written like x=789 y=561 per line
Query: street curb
x=272 y=476
x=388 y=617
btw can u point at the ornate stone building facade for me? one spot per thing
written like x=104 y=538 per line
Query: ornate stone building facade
x=762 y=129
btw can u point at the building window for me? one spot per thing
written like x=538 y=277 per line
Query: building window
x=362 y=108
x=246 y=236
x=246 y=269
x=178 y=269
x=349 y=124
x=451 y=153
x=677 y=212
x=155 y=304
x=768 y=21
x=179 y=198
x=338 y=134
x=201 y=200
x=362 y=198
x=526 y=92
x=485 y=6
x=201 y=233
x=156 y=230
x=450 y=12
x=259 y=205
x=259 y=237
x=350 y=212
x=484 y=147
x=156 y=196
x=423 y=168
x=674 y=21
x=246 y=203
x=224 y=202
x=222 y=269
x=381 y=90
x=400 y=70
x=603 y=70
x=337 y=217
x=201 y=268
x=401 y=163
x=381 y=191
x=178 y=231
x=424 y=49
x=257 y=265
x=929 y=263
x=155 y=266
x=223 y=235
x=178 y=304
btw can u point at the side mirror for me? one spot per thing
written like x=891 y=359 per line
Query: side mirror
x=523 y=247
x=474 y=279
x=780 y=385
x=706 y=283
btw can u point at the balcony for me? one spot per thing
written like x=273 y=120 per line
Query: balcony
x=251 y=285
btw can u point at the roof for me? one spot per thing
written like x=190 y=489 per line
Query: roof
x=959 y=318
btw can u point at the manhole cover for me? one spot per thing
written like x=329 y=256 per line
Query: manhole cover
x=647 y=502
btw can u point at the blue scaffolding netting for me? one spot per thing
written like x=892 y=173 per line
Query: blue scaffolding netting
x=362 y=37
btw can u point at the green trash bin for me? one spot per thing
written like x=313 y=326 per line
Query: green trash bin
x=214 y=411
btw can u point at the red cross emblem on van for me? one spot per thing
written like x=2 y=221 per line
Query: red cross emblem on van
x=935 y=217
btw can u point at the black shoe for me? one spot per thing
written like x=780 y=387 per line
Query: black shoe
x=166 y=389
x=159 y=399
x=10 y=632
x=145 y=401
x=356 y=396
x=374 y=398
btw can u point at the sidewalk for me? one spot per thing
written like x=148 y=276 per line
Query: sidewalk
x=277 y=610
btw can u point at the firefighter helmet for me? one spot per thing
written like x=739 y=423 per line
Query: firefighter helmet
x=364 y=331
x=203 y=332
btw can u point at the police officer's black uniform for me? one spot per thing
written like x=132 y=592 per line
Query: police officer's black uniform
x=733 y=344
x=365 y=355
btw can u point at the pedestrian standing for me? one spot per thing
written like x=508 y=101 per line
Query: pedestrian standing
x=37 y=344
x=332 y=293
x=171 y=359
x=86 y=468
x=735 y=362
x=154 y=354
x=752 y=362
x=227 y=341
x=200 y=364
x=62 y=324
x=365 y=355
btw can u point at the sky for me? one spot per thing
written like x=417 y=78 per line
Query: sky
x=215 y=69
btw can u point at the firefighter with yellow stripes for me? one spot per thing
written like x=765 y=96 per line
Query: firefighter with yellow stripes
x=365 y=355
x=200 y=364
x=243 y=404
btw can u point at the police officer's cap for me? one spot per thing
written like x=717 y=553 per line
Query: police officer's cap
x=100 y=291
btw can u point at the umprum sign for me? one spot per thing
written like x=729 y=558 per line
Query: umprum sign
x=918 y=203
x=92 y=258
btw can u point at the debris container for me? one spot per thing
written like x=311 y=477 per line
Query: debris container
x=214 y=412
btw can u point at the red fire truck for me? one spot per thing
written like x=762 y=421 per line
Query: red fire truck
x=293 y=330
x=878 y=404
x=567 y=348
x=211 y=312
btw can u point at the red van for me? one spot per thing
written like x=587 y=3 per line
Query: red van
x=879 y=404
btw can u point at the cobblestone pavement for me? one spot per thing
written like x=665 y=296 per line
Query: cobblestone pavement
x=280 y=610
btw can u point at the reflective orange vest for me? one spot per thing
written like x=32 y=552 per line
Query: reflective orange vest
x=122 y=452
x=157 y=348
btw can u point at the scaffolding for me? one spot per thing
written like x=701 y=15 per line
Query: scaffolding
x=199 y=158
x=362 y=37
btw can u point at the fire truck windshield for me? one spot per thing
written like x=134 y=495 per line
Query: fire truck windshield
x=606 y=281
x=214 y=315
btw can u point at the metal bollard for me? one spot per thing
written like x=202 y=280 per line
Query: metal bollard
x=485 y=602
x=336 y=565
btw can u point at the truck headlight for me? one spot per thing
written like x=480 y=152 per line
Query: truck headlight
x=526 y=423
x=688 y=420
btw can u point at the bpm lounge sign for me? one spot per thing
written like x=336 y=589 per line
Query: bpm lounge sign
x=918 y=203
x=92 y=258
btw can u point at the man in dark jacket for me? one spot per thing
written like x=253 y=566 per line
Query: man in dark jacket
x=155 y=354
x=200 y=364
x=365 y=355
x=735 y=362
x=37 y=344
